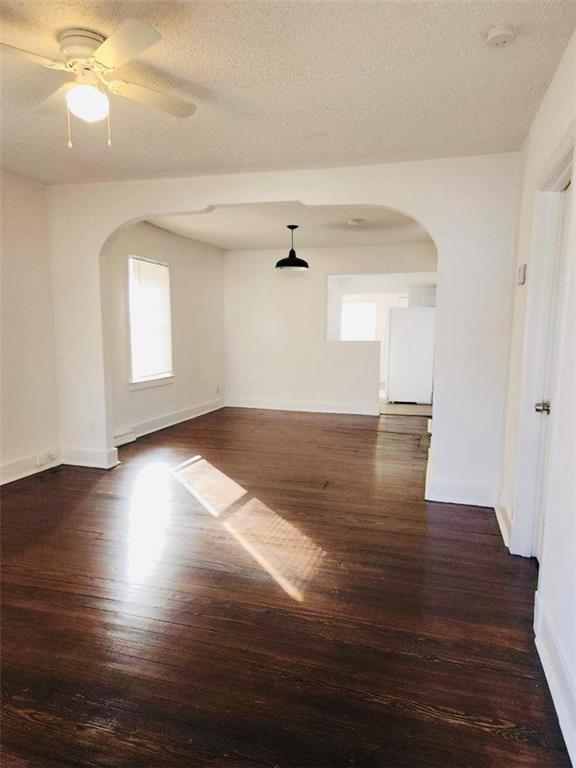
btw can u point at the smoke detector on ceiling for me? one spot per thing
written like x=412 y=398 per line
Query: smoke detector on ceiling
x=500 y=35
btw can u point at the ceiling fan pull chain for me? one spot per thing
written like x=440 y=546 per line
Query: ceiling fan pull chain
x=109 y=136
x=69 y=128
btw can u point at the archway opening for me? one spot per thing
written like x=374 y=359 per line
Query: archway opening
x=244 y=334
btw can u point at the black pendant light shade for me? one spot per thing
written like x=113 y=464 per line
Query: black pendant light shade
x=292 y=261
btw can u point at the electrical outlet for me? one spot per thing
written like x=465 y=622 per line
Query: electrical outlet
x=41 y=459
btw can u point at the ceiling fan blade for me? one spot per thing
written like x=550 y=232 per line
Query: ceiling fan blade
x=131 y=38
x=56 y=98
x=29 y=56
x=161 y=101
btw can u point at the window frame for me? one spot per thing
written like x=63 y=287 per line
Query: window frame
x=157 y=380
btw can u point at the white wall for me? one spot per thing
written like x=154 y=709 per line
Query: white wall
x=422 y=296
x=277 y=354
x=29 y=400
x=197 y=299
x=468 y=205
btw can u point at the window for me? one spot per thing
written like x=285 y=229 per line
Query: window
x=150 y=319
x=358 y=321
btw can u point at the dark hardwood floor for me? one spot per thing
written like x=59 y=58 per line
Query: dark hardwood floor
x=285 y=599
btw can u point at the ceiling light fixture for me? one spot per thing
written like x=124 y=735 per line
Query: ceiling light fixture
x=88 y=103
x=92 y=59
x=292 y=261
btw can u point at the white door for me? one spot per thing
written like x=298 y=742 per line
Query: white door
x=555 y=614
x=559 y=382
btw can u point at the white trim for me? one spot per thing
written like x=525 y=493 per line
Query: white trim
x=313 y=406
x=145 y=258
x=555 y=173
x=451 y=492
x=166 y=420
x=82 y=457
x=15 y=470
x=504 y=518
x=557 y=671
x=537 y=614
x=124 y=438
x=156 y=381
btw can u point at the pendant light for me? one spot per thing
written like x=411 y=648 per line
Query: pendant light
x=292 y=261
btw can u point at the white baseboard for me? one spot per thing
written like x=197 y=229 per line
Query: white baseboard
x=504 y=518
x=130 y=433
x=453 y=492
x=313 y=406
x=15 y=470
x=537 y=617
x=82 y=457
x=124 y=438
x=558 y=675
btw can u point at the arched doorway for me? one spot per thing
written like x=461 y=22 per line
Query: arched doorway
x=471 y=362
x=270 y=329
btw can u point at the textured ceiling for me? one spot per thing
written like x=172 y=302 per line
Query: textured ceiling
x=264 y=226
x=286 y=84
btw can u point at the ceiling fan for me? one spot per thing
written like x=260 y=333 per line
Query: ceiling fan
x=92 y=59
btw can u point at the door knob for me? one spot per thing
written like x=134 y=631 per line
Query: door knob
x=543 y=407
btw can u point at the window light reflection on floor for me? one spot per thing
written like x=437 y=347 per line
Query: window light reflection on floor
x=149 y=516
x=290 y=557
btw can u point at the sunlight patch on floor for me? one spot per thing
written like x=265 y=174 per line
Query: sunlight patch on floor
x=150 y=503
x=290 y=557
x=213 y=489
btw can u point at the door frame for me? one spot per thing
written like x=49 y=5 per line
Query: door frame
x=543 y=260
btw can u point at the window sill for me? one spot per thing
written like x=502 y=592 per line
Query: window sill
x=160 y=381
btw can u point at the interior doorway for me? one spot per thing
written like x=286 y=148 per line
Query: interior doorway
x=398 y=311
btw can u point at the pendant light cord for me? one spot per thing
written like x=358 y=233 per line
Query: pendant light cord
x=69 y=128
x=109 y=136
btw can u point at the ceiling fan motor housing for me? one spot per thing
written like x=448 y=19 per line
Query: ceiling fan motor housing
x=79 y=44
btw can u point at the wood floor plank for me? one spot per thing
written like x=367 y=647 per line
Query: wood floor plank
x=256 y=588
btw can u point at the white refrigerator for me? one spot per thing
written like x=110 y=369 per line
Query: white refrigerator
x=410 y=355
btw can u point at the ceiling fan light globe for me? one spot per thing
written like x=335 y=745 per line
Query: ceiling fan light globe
x=88 y=103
